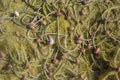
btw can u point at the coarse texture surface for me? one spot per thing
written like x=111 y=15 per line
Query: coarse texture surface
x=59 y=39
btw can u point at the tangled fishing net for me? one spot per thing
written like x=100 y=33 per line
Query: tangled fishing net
x=59 y=39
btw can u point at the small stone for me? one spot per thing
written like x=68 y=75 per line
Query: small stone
x=2 y=54
x=80 y=37
x=43 y=22
x=83 y=12
x=78 y=41
x=9 y=67
x=24 y=77
x=31 y=26
x=1 y=21
x=63 y=57
x=83 y=50
x=58 y=14
x=38 y=40
x=17 y=33
x=50 y=73
x=107 y=32
x=118 y=69
x=89 y=46
x=16 y=13
x=118 y=22
x=71 y=28
x=97 y=51
x=68 y=17
x=55 y=61
x=51 y=40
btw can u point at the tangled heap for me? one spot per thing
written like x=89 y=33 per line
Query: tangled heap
x=60 y=39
